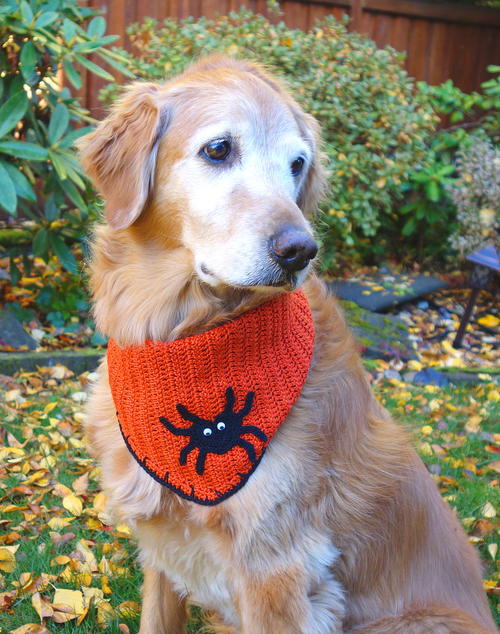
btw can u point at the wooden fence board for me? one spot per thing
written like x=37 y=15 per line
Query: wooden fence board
x=439 y=51
x=400 y=33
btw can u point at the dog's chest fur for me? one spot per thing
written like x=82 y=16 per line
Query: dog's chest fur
x=209 y=567
x=192 y=558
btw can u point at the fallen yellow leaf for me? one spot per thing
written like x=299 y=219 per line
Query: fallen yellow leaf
x=70 y=602
x=89 y=563
x=41 y=607
x=92 y=594
x=49 y=407
x=7 y=559
x=104 y=585
x=490 y=321
x=60 y=560
x=489 y=584
x=494 y=395
x=80 y=485
x=488 y=510
x=100 y=502
x=31 y=628
x=128 y=609
x=57 y=523
x=473 y=424
x=59 y=371
x=105 y=613
x=434 y=404
x=73 y=504
x=123 y=530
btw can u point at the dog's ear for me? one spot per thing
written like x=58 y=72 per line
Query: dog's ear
x=315 y=184
x=120 y=155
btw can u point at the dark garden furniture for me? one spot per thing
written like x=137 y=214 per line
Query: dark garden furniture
x=485 y=264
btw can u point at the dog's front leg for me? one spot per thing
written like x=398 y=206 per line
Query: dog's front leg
x=163 y=611
x=281 y=604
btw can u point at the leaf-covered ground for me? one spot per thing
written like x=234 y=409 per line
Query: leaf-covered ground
x=53 y=306
x=64 y=568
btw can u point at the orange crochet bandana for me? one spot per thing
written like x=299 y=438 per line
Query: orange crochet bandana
x=198 y=413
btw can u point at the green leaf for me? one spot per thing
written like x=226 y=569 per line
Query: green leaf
x=116 y=65
x=55 y=159
x=24 y=150
x=409 y=227
x=457 y=116
x=40 y=243
x=432 y=191
x=12 y=111
x=14 y=272
x=408 y=208
x=94 y=68
x=45 y=19
x=63 y=252
x=26 y=13
x=8 y=199
x=72 y=74
x=72 y=173
x=58 y=124
x=68 y=30
x=51 y=210
x=28 y=61
x=21 y=183
x=87 y=47
x=72 y=136
x=97 y=27
x=73 y=194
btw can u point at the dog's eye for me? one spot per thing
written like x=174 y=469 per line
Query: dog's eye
x=217 y=150
x=296 y=166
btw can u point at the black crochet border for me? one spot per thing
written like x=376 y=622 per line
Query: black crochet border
x=179 y=492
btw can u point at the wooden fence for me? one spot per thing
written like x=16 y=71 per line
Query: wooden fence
x=442 y=41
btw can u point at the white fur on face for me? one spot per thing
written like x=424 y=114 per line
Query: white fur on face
x=232 y=209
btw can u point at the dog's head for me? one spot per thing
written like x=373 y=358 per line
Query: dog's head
x=220 y=161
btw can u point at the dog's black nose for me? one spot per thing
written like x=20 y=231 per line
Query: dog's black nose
x=293 y=249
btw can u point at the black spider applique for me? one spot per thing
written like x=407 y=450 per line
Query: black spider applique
x=217 y=436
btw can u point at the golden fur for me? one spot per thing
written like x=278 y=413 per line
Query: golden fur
x=340 y=529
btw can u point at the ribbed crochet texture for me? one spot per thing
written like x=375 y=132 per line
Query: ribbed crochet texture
x=266 y=351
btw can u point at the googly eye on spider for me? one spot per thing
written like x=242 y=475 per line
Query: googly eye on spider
x=220 y=426
x=297 y=165
x=207 y=431
x=217 y=150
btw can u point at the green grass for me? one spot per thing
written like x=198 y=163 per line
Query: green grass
x=453 y=429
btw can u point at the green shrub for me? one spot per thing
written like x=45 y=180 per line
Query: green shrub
x=428 y=215
x=40 y=119
x=375 y=129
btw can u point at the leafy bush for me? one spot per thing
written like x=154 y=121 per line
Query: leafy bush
x=40 y=119
x=476 y=194
x=428 y=216
x=375 y=129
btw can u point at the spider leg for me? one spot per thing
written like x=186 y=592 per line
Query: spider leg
x=230 y=400
x=251 y=429
x=184 y=453
x=178 y=431
x=200 y=462
x=186 y=414
x=248 y=447
x=248 y=404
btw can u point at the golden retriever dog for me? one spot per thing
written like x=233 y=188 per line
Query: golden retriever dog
x=209 y=182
